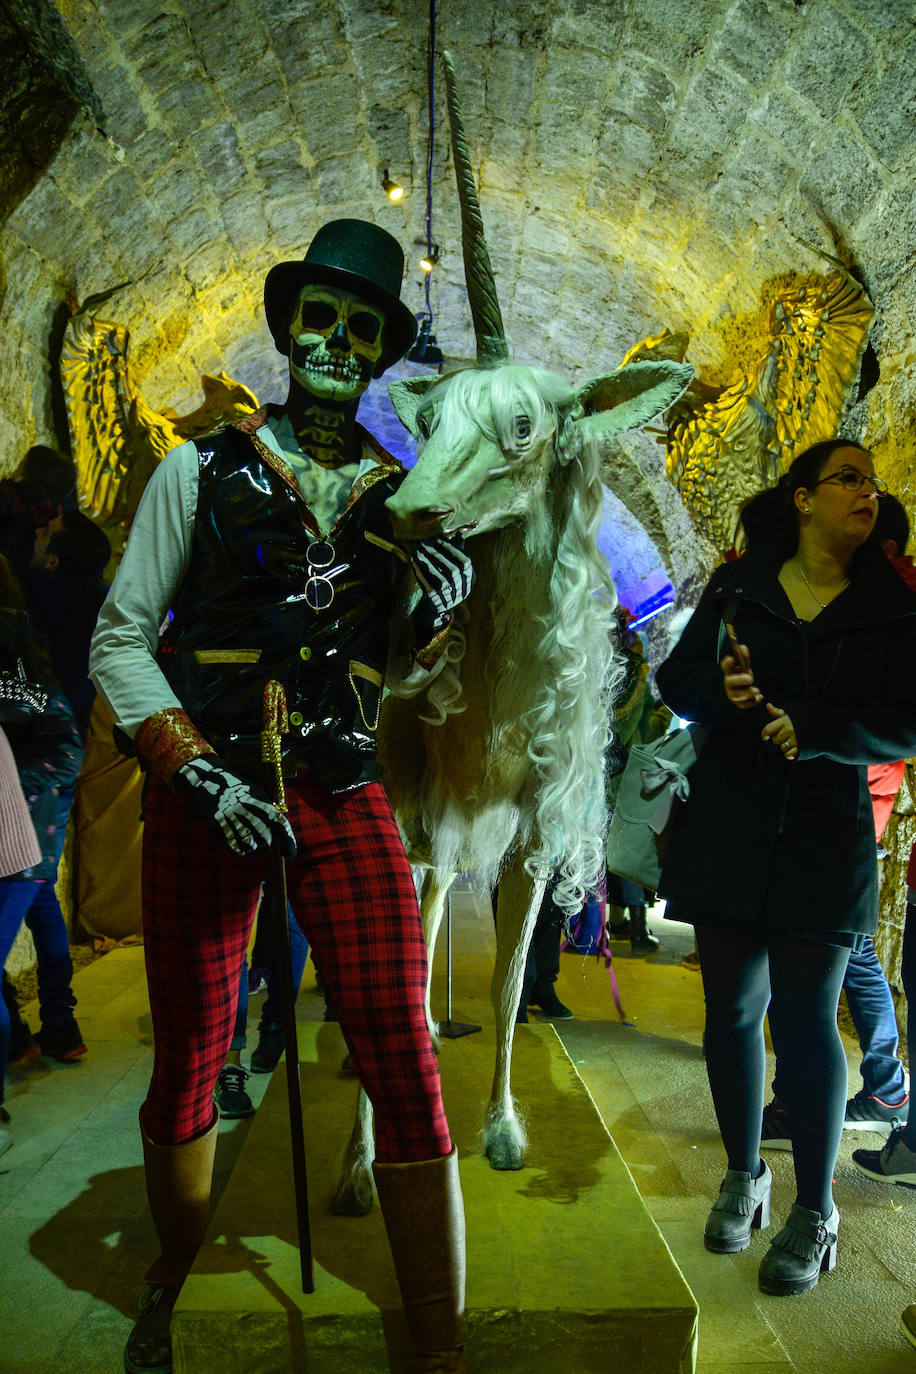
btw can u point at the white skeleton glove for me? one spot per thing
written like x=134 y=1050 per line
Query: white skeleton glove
x=446 y=575
x=246 y=818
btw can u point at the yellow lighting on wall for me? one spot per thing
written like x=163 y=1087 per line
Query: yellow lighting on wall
x=392 y=189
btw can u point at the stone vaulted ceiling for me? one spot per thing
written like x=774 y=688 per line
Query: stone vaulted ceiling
x=641 y=165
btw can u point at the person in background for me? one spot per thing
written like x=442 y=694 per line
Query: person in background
x=48 y=753
x=64 y=592
x=772 y=857
x=895 y=1161
x=638 y=718
x=230 y=1094
x=19 y=849
x=542 y=965
x=43 y=486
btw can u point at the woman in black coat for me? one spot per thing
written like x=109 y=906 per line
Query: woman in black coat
x=773 y=857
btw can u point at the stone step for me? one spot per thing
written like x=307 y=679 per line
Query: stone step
x=566 y=1269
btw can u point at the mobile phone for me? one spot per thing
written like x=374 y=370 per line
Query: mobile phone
x=738 y=651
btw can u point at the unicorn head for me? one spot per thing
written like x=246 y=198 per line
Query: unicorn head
x=491 y=436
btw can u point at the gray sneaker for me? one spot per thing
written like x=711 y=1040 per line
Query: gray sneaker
x=895 y=1163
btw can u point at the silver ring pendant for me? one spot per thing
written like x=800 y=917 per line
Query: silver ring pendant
x=319 y=593
x=320 y=553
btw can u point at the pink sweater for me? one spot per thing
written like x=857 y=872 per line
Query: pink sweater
x=18 y=844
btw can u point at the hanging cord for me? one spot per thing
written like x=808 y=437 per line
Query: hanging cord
x=430 y=142
x=600 y=946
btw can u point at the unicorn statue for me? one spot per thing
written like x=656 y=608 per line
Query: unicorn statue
x=497 y=767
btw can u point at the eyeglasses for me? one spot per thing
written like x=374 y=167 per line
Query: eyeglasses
x=853 y=480
x=319 y=589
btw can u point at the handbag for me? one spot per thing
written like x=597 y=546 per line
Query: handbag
x=653 y=784
x=21 y=698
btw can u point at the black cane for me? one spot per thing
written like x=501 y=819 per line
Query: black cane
x=275 y=723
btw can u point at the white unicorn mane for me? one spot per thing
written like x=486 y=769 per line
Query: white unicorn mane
x=571 y=657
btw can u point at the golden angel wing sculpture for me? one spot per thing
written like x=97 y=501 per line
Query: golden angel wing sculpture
x=724 y=444
x=116 y=438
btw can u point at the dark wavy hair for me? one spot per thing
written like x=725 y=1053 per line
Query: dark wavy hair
x=892 y=523
x=80 y=545
x=770 y=519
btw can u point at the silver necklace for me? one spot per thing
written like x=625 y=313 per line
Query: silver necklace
x=822 y=604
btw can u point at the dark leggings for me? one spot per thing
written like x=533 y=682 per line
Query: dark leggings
x=799 y=982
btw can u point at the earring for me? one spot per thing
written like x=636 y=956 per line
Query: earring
x=806 y=510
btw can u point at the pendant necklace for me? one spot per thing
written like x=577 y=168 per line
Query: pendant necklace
x=823 y=604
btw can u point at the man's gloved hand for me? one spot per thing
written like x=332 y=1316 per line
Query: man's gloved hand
x=246 y=818
x=446 y=575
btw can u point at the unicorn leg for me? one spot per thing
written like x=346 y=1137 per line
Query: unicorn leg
x=354 y=1196
x=520 y=899
x=433 y=893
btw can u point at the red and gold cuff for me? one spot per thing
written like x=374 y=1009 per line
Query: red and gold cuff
x=167 y=740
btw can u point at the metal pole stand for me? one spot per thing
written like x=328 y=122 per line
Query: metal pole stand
x=449 y=1029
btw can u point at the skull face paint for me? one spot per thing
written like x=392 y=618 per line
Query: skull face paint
x=335 y=342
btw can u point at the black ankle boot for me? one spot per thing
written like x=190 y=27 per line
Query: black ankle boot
x=546 y=998
x=642 y=941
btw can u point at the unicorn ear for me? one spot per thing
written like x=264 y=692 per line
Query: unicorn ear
x=406 y=396
x=630 y=397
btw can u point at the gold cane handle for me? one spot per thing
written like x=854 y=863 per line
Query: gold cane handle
x=276 y=724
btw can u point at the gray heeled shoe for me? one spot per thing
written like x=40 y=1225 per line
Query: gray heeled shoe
x=742 y=1206
x=799 y=1254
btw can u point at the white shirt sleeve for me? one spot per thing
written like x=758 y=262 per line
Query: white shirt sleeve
x=122 y=661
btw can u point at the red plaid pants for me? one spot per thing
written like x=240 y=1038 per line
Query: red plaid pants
x=351 y=889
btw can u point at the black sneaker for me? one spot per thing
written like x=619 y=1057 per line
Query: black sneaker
x=895 y=1163
x=229 y=1094
x=270 y=1047
x=63 y=1042
x=549 y=1003
x=865 y=1113
x=774 y=1131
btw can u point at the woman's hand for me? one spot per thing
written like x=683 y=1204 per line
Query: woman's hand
x=781 y=732
x=739 y=680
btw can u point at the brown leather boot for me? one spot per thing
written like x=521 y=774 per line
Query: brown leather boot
x=424 y=1218
x=178 y=1188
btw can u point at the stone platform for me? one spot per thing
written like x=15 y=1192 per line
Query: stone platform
x=566 y=1269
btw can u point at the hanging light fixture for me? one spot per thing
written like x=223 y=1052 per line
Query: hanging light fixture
x=393 y=190
x=425 y=349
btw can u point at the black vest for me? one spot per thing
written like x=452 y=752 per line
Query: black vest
x=242 y=617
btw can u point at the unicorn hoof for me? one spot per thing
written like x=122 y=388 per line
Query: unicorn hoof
x=353 y=1199
x=505 y=1155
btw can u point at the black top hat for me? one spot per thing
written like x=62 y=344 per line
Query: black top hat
x=356 y=256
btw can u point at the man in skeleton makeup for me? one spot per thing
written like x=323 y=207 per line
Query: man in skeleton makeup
x=270 y=545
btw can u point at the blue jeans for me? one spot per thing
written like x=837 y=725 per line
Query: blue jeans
x=908 y=974
x=15 y=900
x=45 y=920
x=273 y=1005
x=872 y=1009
